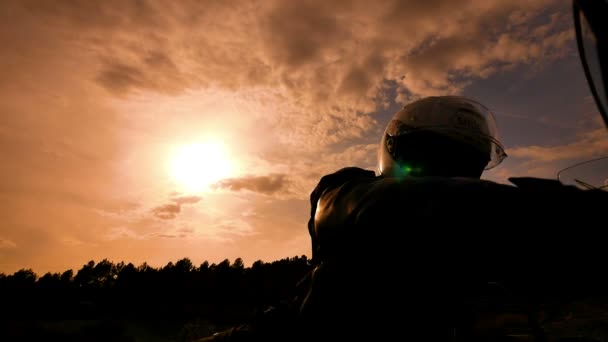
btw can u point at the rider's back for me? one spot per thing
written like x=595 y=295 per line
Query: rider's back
x=405 y=252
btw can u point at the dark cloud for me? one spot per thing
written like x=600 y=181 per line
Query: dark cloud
x=167 y=211
x=267 y=185
x=167 y=236
x=321 y=53
x=160 y=60
x=298 y=32
x=153 y=71
x=323 y=49
x=170 y=211
x=91 y=15
x=119 y=78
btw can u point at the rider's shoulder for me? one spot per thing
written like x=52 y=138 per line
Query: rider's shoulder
x=338 y=178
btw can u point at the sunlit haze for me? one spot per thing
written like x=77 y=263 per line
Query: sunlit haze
x=149 y=131
x=195 y=166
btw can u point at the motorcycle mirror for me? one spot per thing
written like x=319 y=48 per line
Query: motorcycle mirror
x=586 y=175
x=592 y=40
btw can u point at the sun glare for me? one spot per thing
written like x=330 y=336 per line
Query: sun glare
x=195 y=166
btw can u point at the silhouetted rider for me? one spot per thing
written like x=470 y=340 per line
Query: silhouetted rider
x=360 y=223
x=406 y=247
x=443 y=136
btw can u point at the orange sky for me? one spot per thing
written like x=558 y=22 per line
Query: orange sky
x=96 y=97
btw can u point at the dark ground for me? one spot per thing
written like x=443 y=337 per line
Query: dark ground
x=585 y=318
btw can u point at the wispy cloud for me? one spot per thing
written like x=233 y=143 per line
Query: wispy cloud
x=7 y=244
x=121 y=233
x=154 y=71
x=186 y=199
x=267 y=185
x=547 y=160
x=170 y=211
x=167 y=211
x=590 y=144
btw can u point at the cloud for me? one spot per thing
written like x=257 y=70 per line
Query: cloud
x=7 y=244
x=170 y=211
x=231 y=228
x=71 y=241
x=267 y=185
x=342 y=52
x=184 y=232
x=317 y=55
x=121 y=233
x=589 y=145
x=172 y=220
x=153 y=71
x=546 y=161
x=167 y=236
x=167 y=211
x=303 y=75
x=118 y=233
x=118 y=77
x=450 y=61
x=186 y=199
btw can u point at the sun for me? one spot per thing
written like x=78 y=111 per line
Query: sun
x=195 y=166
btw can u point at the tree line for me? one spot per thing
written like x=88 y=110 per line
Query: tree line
x=224 y=293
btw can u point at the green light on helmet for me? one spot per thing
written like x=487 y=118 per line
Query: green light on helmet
x=409 y=170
